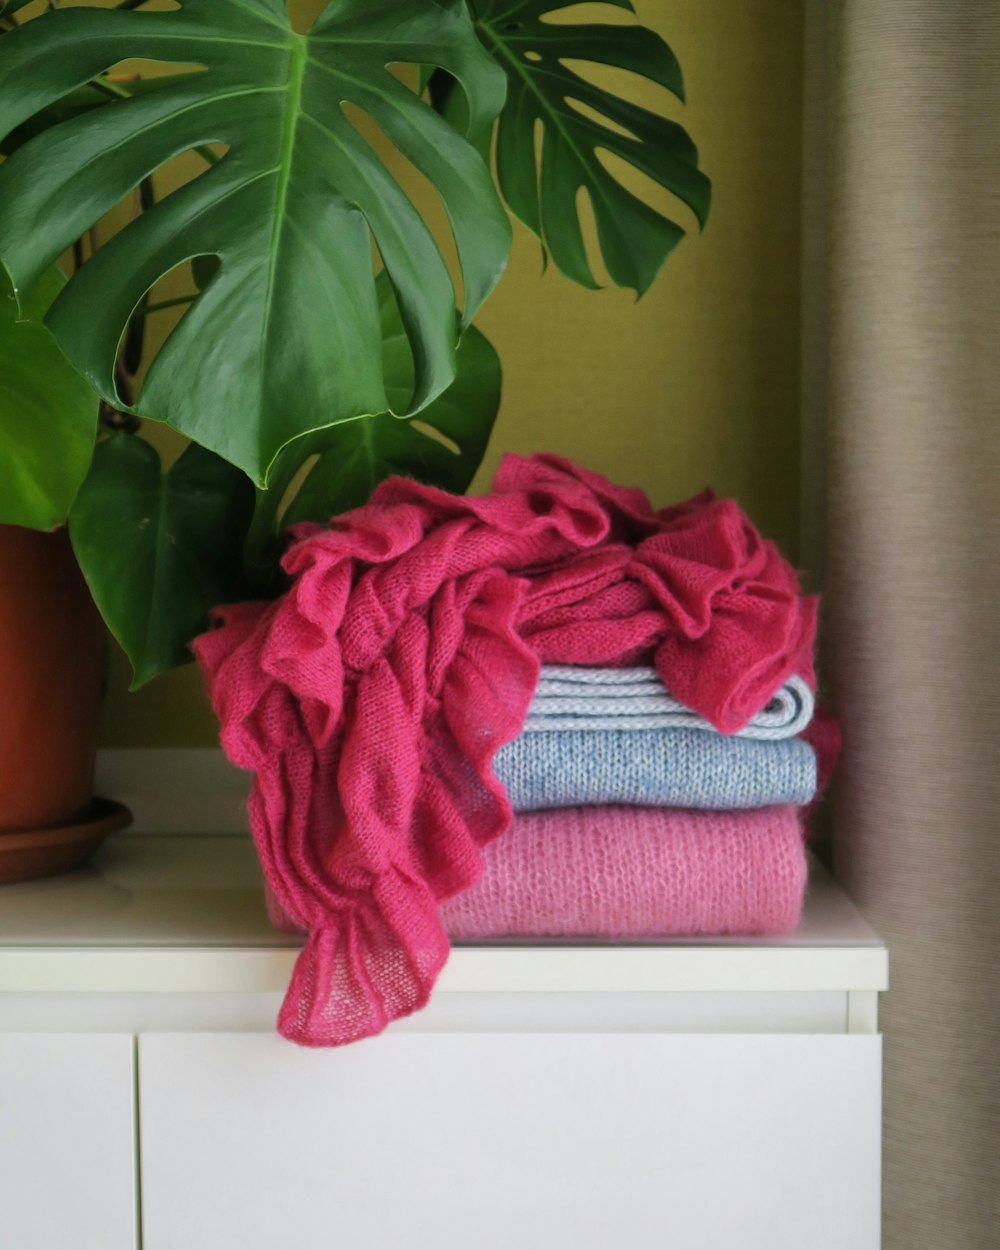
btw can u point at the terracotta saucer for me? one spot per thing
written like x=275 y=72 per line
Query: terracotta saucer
x=29 y=853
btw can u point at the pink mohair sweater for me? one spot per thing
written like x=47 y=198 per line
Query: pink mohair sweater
x=370 y=699
x=637 y=872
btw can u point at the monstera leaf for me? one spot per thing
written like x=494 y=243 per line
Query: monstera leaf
x=94 y=95
x=83 y=100
x=285 y=337
x=48 y=414
x=635 y=238
x=160 y=549
x=444 y=446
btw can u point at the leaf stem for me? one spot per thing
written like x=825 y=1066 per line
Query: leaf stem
x=263 y=542
x=168 y=303
x=269 y=501
x=109 y=88
x=115 y=421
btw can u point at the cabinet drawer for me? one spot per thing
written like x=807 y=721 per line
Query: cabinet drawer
x=67 y=1170
x=535 y=1141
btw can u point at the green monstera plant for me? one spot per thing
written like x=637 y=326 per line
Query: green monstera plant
x=326 y=342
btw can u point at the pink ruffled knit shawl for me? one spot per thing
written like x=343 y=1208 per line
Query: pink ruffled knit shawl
x=370 y=699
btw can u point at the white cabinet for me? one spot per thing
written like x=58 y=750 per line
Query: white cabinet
x=677 y=1096
x=66 y=1142
x=536 y=1141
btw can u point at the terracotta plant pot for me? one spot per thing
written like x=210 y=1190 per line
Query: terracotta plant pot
x=51 y=674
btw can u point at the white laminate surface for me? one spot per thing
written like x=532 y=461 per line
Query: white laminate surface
x=540 y=1141
x=186 y=914
x=67 y=1163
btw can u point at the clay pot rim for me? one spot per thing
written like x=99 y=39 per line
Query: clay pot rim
x=29 y=854
x=105 y=817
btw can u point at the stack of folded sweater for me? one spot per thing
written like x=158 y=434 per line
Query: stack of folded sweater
x=637 y=818
x=458 y=721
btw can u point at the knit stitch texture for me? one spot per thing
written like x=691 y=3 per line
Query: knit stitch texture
x=370 y=699
x=653 y=768
x=570 y=697
x=632 y=872
x=618 y=873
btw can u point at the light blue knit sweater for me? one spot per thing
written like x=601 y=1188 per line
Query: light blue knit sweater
x=573 y=697
x=654 y=768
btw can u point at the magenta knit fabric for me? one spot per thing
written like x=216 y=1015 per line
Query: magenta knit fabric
x=637 y=872
x=370 y=699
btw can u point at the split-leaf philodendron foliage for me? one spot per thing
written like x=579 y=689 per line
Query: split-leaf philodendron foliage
x=285 y=338
x=324 y=316
x=544 y=91
x=44 y=406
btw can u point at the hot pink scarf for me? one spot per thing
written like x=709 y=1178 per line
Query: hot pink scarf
x=370 y=699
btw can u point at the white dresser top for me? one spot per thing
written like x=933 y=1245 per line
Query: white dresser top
x=182 y=912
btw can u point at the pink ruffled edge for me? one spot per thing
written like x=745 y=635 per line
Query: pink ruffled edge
x=375 y=945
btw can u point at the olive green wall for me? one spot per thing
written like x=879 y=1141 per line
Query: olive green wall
x=697 y=383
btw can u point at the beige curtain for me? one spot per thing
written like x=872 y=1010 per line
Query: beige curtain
x=902 y=471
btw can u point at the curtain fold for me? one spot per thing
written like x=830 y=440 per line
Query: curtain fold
x=902 y=478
